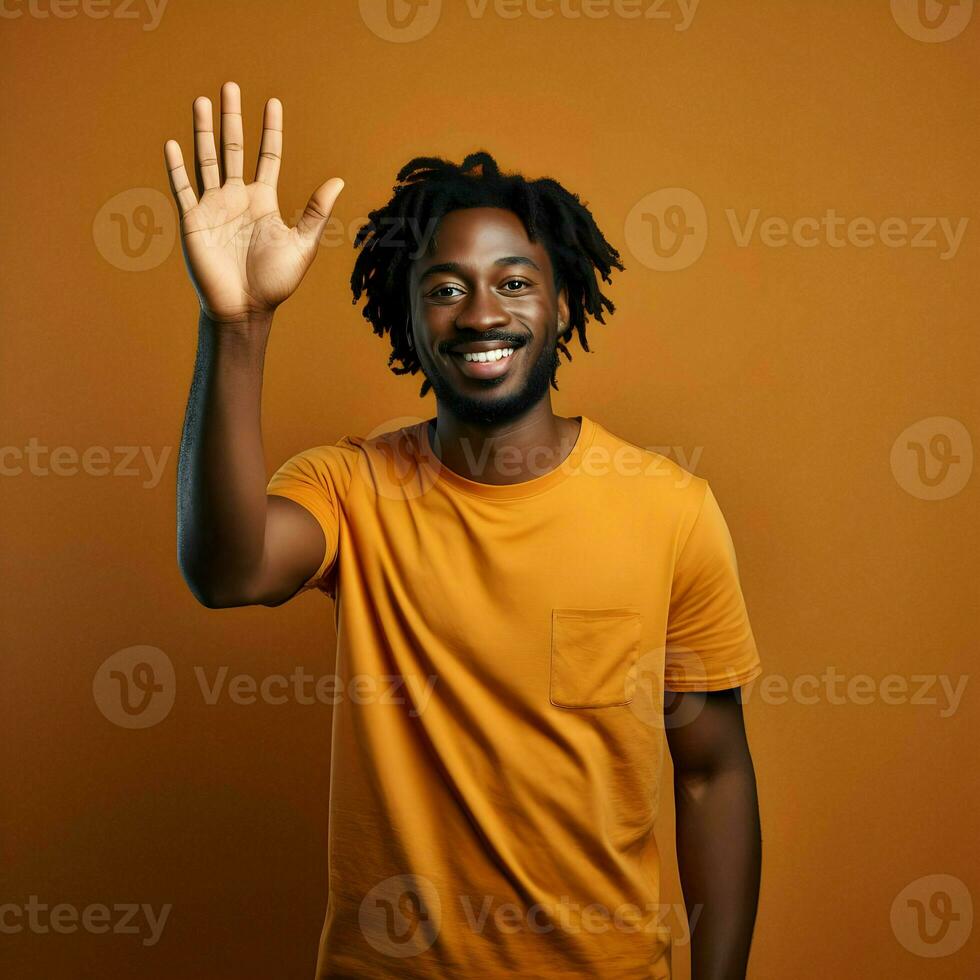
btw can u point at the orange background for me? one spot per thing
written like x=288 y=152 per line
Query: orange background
x=792 y=370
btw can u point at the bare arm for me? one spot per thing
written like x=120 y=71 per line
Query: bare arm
x=719 y=839
x=236 y=545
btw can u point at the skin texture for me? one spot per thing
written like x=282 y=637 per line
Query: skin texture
x=719 y=839
x=483 y=298
x=238 y=546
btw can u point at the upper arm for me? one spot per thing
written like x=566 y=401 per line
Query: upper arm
x=711 y=650
x=705 y=732
x=305 y=500
x=294 y=549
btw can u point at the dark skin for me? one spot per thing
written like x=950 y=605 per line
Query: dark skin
x=483 y=279
x=719 y=838
x=238 y=546
x=718 y=829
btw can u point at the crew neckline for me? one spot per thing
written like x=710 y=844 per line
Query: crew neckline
x=570 y=465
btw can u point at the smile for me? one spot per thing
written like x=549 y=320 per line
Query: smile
x=494 y=363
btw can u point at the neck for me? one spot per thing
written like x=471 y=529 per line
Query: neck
x=514 y=451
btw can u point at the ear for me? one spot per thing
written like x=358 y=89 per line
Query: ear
x=563 y=312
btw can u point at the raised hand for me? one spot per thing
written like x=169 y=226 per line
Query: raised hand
x=243 y=259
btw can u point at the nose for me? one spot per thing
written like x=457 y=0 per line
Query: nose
x=481 y=312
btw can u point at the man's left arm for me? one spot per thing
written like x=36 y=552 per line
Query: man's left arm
x=719 y=838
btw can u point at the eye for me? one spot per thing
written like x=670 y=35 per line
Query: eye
x=520 y=282
x=436 y=292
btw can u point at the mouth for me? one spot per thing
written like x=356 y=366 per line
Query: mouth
x=484 y=370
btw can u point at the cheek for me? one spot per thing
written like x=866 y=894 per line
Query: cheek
x=535 y=311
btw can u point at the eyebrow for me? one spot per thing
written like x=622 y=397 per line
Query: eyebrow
x=456 y=267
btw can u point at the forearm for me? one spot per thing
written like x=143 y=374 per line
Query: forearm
x=719 y=853
x=221 y=478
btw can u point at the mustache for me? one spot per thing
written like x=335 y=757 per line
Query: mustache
x=486 y=338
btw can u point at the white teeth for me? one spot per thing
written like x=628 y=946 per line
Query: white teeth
x=489 y=355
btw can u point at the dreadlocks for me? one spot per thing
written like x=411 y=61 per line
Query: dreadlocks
x=428 y=188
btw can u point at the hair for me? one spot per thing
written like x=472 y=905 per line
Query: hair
x=428 y=188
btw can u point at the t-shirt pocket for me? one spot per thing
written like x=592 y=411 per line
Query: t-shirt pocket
x=592 y=651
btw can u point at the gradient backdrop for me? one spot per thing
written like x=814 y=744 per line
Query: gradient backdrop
x=793 y=189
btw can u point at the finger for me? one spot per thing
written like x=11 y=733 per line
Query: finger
x=270 y=152
x=179 y=184
x=317 y=212
x=208 y=175
x=232 y=148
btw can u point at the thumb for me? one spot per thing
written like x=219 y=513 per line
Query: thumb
x=317 y=211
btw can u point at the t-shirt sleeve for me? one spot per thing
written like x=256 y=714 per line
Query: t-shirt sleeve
x=710 y=645
x=319 y=479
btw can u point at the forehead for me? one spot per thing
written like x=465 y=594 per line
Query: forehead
x=479 y=236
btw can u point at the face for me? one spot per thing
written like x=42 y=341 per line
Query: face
x=482 y=285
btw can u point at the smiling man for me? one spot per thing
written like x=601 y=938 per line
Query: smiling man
x=559 y=605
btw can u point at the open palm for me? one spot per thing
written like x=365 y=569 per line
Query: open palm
x=243 y=259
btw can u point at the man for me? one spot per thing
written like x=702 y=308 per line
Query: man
x=515 y=591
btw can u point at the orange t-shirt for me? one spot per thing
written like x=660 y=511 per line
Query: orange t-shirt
x=498 y=734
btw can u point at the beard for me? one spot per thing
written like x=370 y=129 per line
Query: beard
x=491 y=409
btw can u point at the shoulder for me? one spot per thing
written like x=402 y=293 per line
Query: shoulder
x=341 y=453
x=389 y=449
x=648 y=470
x=349 y=448
x=330 y=466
